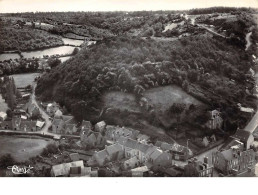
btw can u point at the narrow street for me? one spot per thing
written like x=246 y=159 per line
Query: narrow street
x=44 y=115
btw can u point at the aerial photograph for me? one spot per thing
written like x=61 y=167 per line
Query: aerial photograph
x=127 y=88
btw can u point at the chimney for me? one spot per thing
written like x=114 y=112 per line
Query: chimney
x=206 y=160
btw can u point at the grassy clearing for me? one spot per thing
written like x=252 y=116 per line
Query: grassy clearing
x=120 y=100
x=21 y=148
x=22 y=80
x=161 y=98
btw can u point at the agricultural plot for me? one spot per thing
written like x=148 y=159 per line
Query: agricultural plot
x=23 y=80
x=121 y=100
x=21 y=148
x=161 y=98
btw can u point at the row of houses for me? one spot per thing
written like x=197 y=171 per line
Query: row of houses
x=19 y=124
x=132 y=153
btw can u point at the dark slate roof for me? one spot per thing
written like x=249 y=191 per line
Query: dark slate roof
x=242 y=135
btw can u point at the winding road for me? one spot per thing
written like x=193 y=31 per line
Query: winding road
x=44 y=115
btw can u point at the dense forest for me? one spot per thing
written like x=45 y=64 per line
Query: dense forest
x=15 y=37
x=134 y=64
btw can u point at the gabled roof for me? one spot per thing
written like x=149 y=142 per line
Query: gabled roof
x=70 y=126
x=112 y=149
x=58 y=113
x=143 y=137
x=227 y=154
x=100 y=124
x=242 y=135
x=103 y=154
x=57 y=121
x=3 y=115
x=92 y=137
x=64 y=169
x=75 y=171
x=74 y=156
x=132 y=160
x=86 y=124
x=155 y=154
x=140 y=169
x=142 y=147
x=40 y=124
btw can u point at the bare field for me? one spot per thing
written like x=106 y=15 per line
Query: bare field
x=121 y=100
x=163 y=97
x=21 y=148
x=22 y=80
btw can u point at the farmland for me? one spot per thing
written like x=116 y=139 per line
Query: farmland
x=21 y=148
x=120 y=100
x=23 y=80
x=163 y=97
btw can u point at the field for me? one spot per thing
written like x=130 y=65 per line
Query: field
x=3 y=105
x=22 y=80
x=21 y=148
x=121 y=100
x=163 y=97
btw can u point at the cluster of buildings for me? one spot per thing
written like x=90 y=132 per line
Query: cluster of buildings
x=237 y=157
x=27 y=119
x=23 y=114
x=61 y=123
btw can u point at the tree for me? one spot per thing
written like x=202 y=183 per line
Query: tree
x=75 y=51
x=9 y=113
x=177 y=109
x=53 y=62
x=6 y=160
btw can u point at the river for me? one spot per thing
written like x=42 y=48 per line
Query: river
x=61 y=50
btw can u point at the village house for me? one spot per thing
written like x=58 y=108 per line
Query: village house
x=3 y=116
x=245 y=137
x=113 y=133
x=234 y=161
x=16 y=122
x=28 y=126
x=215 y=121
x=74 y=156
x=85 y=129
x=131 y=163
x=40 y=124
x=160 y=158
x=140 y=171
x=52 y=108
x=143 y=138
x=86 y=125
x=178 y=152
x=133 y=148
x=58 y=114
x=110 y=153
x=58 y=126
x=92 y=139
x=100 y=126
x=196 y=168
x=32 y=110
x=63 y=170
x=147 y=154
x=64 y=125
x=70 y=129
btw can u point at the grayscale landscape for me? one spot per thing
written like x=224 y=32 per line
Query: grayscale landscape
x=164 y=93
